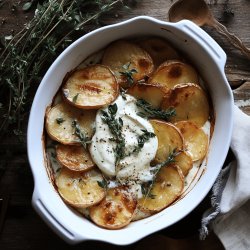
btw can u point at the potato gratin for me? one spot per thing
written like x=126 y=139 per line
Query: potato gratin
x=128 y=131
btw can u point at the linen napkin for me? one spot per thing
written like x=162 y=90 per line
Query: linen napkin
x=229 y=215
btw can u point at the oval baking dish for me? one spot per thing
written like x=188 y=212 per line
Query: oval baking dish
x=208 y=58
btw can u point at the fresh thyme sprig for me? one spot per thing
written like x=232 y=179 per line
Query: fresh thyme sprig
x=26 y=56
x=84 y=140
x=115 y=127
x=142 y=139
x=151 y=112
x=147 y=187
x=128 y=73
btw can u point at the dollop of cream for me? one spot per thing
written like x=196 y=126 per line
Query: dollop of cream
x=135 y=167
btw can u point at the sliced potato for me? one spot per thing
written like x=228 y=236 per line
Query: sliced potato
x=167 y=187
x=195 y=139
x=91 y=87
x=80 y=189
x=171 y=73
x=59 y=123
x=116 y=210
x=184 y=161
x=75 y=158
x=159 y=49
x=169 y=139
x=190 y=102
x=153 y=94
x=122 y=54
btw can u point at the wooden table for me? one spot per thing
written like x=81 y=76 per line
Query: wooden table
x=23 y=228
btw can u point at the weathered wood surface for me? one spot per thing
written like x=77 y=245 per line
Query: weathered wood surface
x=23 y=229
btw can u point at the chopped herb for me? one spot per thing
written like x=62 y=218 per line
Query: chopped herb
x=103 y=183
x=60 y=120
x=75 y=98
x=123 y=93
x=115 y=127
x=84 y=140
x=128 y=73
x=151 y=112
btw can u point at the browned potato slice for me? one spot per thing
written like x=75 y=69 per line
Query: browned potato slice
x=166 y=189
x=184 y=161
x=190 y=102
x=159 y=49
x=153 y=94
x=195 y=139
x=91 y=87
x=75 y=158
x=80 y=189
x=122 y=54
x=116 y=210
x=169 y=139
x=171 y=73
x=59 y=123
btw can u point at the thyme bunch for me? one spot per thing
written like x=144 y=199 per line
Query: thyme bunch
x=151 y=112
x=26 y=57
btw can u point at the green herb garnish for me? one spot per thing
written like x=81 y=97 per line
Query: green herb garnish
x=147 y=187
x=84 y=140
x=115 y=127
x=150 y=112
x=128 y=73
x=142 y=139
x=103 y=183
x=59 y=120
x=75 y=98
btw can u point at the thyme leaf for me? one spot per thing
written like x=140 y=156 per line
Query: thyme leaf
x=128 y=73
x=151 y=112
x=75 y=98
x=60 y=120
x=103 y=183
x=84 y=140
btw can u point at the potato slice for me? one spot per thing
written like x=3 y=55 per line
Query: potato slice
x=171 y=73
x=190 y=103
x=169 y=139
x=184 y=161
x=195 y=139
x=91 y=87
x=76 y=158
x=116 y=210
x=59 y=123
x=122 y=54
x=159 y=49
x=167 y=187
x=153 y=94
x=80 y=189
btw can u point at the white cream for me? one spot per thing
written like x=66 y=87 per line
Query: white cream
x=134 y=168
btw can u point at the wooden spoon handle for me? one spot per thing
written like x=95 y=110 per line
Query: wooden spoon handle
x=234 y=40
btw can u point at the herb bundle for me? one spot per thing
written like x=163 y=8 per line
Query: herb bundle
x=26 y=57
x=128 y=73
x=150 y=112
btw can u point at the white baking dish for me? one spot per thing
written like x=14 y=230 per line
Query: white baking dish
x=207 y=57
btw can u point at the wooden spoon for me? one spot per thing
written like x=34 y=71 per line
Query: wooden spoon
x=199 y=12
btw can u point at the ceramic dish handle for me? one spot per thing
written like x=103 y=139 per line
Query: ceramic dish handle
x=205 y=40
x=64 y=231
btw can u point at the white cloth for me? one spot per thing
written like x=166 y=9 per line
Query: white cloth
x=231 y=196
